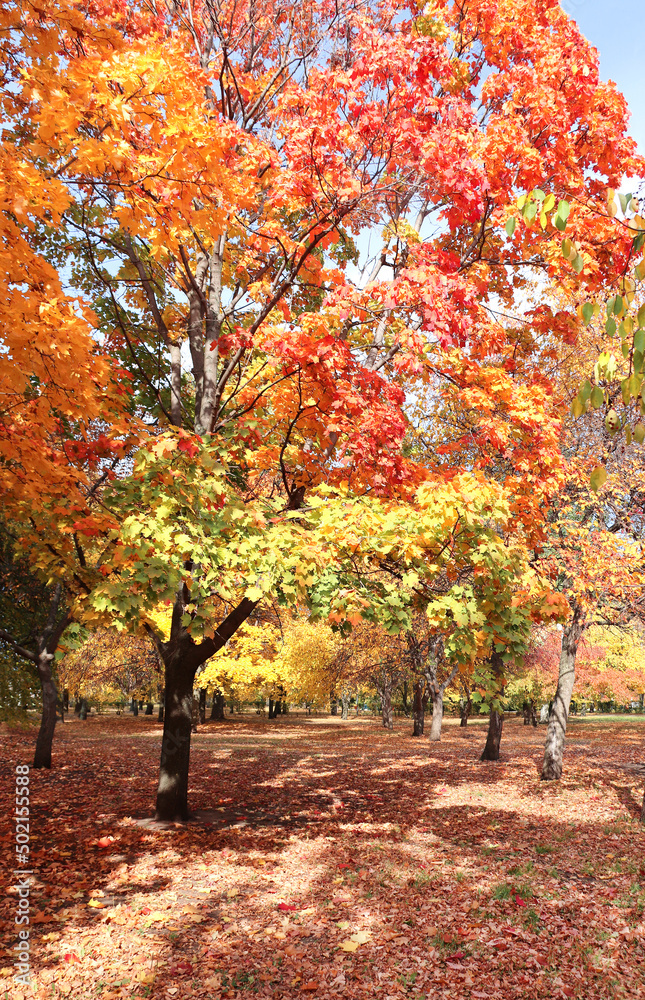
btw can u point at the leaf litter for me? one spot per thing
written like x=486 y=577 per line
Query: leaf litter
x=439 y=876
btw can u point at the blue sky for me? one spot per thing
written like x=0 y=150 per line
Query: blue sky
x=615 y=27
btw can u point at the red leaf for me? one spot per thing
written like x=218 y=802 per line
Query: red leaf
x=287 y=906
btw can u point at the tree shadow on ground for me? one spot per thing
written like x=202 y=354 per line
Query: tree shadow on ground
x=305 y=840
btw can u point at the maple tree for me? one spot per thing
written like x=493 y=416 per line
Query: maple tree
x=223 y=211
x=592 y=550
x=110 y=666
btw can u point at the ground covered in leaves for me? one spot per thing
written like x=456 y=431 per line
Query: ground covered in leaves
x=333 y=859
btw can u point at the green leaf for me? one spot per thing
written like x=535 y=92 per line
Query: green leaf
x=639 y=341
x=610 y=327
x=597 y=397
x=578 y=264
x=639 y=240
x=618 y=305
x=585 y=392
x=638 y=362
x=510 y=226
x=530 y=211
x=641 y=316
x=560 y=224
x=587 y=312
x=625 y=391
x=598 y=478
x=624 y=200
x=577 y=407
x=639 y=433
x=563 y=210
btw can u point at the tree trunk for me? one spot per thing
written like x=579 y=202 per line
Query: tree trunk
x=494 y=737
x=404 y=698
x=437 y=715
x=149 y=708
x=134 y=705
x=643 y=809
x=83 y=712
x=465 y=708
x=418 y=708
x=162 y=695
x=43 y=752
x=557 y=727
x=345 y=705
x=202 y=705
x=277 y=709
x=334 y=705
x=194 y=714
x=271 y=709
x=386 y=705
x=172 y=793
x=496 y=718
x=217 y=709
x=181 y=657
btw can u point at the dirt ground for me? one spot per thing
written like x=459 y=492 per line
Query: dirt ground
x=331 y=859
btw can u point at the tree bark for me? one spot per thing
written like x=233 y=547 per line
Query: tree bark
x=344 y=700
x=404 y=697
x=202 y=705
x=496 y=718
x=149 y=708
x=465 y=707
x=435 y=690
x=172 y=793
x=437 y=714
x=557 y=727
x=418 y=708
x=43 y=752
x=271 y=708
x=46 y=647
x=386 y=704
x=217 y=709
x=494 y=737
x=181 y=657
